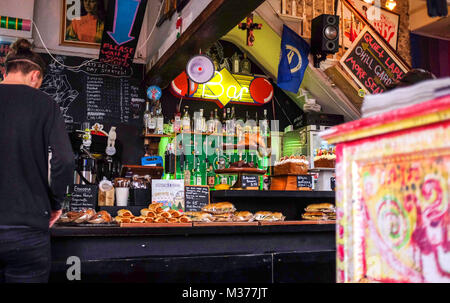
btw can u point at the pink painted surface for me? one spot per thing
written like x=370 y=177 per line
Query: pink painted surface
x=392 y=197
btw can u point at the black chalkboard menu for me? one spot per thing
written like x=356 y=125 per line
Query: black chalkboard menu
x=195 y=197
x=95 y=91
x=84 y=196
x=249 y=181
x=304 y=181
x=371 y=64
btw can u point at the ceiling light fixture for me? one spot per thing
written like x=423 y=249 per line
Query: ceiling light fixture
x=390 y=4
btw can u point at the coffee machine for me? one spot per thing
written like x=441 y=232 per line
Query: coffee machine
x=95 y=158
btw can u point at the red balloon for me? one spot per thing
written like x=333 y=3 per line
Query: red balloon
x=180 y=85
x=261 y=90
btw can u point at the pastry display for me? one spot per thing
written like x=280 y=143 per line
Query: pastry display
x=156 y=207
x=243 y=216
x=154 y=213
x=101 y=217
x=325 y=158
x=227 y=217
x=268 y=216
x=320 y=211
x=85 y=216
x=124 y=213
x=293 y=165
x=120 y=219
x=219 y=208
x=199 y=216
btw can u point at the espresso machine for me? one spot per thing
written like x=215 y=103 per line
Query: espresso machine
x=95 y=157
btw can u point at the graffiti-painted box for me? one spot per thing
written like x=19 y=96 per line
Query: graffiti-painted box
x=392 y=195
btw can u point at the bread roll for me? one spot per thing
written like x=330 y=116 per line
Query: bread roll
x=124 y=213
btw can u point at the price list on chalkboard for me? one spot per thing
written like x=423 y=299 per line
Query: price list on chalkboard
x=84 y=196
x=250 y=181
x=93 y=91
x=195 y=197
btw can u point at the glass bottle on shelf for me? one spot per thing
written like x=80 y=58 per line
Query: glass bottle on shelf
x=217 y=124
x=229 y=123
x=187 y=174
x=197 y=122
x=224 y=119
x=159 y=127
x=202 y=122
x=211 y=176
x=235 y=63
x=255 y=127
x=246 y=65
x=177 y=122
x=247 y=125
x=152 y=122
x=210 y=124
x=186 y=120
x=264 y=125
x=146 y=119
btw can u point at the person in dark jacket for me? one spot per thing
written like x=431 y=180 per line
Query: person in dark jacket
x=31 y=194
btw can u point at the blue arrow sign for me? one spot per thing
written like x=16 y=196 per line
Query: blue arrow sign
x=124 y=17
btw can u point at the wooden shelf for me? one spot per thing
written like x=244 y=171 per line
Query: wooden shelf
x=156 y=136
x=272 y=194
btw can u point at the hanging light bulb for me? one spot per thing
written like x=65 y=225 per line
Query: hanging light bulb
x=369 y=1
x=390 y=4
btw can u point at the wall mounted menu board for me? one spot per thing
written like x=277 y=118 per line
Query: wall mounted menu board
x=84 y=196
x=95 y=91
x=371 y=64
x=195 y=197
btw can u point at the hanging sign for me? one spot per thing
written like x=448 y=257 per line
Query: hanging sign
x=224 y=88
x=370 y=63
x=121 y=33
x=154 y=92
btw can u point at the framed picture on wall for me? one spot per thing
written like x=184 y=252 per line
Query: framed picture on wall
x=385 y=22
x=82 y=22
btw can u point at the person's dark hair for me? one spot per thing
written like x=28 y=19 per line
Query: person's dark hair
x=412 y=77
x=21 y=58
x=101 y=10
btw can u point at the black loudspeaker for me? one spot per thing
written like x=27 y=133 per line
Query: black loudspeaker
x=325 y=34
x=437 y=8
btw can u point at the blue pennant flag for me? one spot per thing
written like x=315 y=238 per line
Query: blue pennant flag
x=293 y=60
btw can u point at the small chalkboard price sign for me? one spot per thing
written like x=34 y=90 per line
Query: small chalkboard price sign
x=195 y=197
x=371 y=64
x=304 y=181
x=84 y=196
x=250 y=181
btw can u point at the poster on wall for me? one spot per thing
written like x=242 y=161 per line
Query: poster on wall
x=83 y=22
x=386 y=23
x=168 y=192
x=4 y=49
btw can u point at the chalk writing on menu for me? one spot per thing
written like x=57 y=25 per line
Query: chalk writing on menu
x=195 y=197
x=371 y=64
x=95 y=91
x=250 y=181
x=304 y=181
x=84 y=196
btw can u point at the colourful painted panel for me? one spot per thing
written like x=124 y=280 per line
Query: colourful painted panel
x=406 y=218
